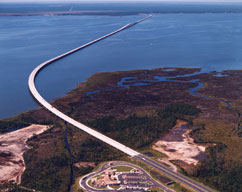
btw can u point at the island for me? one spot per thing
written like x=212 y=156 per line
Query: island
x=183 y=118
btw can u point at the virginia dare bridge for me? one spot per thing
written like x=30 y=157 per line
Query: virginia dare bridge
x=31 y=83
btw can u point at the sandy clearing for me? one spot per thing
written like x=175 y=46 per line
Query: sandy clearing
x=85 y=164
x=183 y=149
x=12 y=147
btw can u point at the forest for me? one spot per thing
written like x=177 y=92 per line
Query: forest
x=140 y=131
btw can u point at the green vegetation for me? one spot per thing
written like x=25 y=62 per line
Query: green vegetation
x=95 y=151
x=140 y=115
x=155 y=190
x=18 y=122
x=180 y=188
x=179 y=110
x=90 y=183
x=76 y=187
x=12 y=188
x=15 y=123
x=46 y=174
x=223 y=168
x=160 y=177
x=238 y=128
x=48 y=164
x=217 y=173
x=97 y=80
x=152 y=153
x=123 y=168
x=138 y=132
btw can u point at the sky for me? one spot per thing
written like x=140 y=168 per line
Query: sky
x=120 y=0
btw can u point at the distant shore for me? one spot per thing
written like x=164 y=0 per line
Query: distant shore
x=81 y=12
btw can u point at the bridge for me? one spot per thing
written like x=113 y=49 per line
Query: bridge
x=31 y=83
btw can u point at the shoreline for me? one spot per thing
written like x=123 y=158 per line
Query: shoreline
x=144 y=101
x=170 y=70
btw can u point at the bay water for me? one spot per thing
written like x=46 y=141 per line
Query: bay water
x=209 y=38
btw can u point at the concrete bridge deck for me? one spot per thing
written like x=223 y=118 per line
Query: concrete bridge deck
x=31 y=83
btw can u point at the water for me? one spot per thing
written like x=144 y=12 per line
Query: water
x=71 y=158
x=212 y=41
x=133 y=81
x=125 y=8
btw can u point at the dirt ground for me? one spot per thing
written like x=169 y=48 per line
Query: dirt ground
x=12 y=147
x=85 y=164
x=178 y=145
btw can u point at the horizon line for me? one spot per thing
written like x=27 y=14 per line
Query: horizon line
x=120 y=1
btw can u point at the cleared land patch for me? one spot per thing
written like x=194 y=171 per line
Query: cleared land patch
x=137 y=113
x=13 y=145
x=178 y=145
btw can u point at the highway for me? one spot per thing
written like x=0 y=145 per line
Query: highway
x=31 y=83
x=179 y=177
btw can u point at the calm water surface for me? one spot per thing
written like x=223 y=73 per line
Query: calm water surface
x=212 y=41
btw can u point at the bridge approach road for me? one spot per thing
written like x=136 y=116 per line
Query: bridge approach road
x=31 y=83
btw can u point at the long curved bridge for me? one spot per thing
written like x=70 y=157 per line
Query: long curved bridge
x=66 y=118
x=31 y=83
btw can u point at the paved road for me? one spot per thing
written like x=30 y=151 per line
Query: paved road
x=96 y=134
x=84 y=180
x=181 y=178
x=66 y=118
